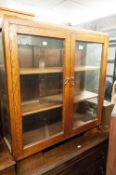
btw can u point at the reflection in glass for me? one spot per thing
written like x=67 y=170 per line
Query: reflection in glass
x=41 y=126
x=40 y=52
x=88 y=54
x=86 y=89
x=41 y=81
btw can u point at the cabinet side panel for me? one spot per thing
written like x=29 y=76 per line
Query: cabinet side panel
x=7 y=36
x=3 y=97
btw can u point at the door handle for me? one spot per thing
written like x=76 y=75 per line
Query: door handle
x=72 y=82
x=67 y=80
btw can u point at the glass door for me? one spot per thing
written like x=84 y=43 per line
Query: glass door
x=41 y=64
x=87 y=68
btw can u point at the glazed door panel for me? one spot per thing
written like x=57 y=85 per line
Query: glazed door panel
x=41 y=61
x=87 y=71
x=42 y=85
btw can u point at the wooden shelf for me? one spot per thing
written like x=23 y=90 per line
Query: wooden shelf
x=2 y=68
x=105 y=102
x=39 y=134
x=81 y=119
x=52 y=102
x=28 y=71
x=1 y=65
x=86 y=68
x=84 y=95
x=44 y=104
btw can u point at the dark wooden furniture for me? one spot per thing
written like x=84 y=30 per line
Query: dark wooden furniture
x=7 y=163
x=82 y=155
x=111 y=163
x=106 y=114
x=49 y=76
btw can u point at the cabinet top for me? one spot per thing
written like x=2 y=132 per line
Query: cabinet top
x=36 y=24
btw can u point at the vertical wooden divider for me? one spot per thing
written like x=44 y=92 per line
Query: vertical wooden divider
x=102 y=79
x=8 y=66
x=67 y=111
x=16 y=88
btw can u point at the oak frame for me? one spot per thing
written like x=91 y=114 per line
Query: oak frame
x=92 y=38
x=12 y=27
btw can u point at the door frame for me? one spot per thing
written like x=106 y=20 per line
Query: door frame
x=93 y=37
x=21 y=152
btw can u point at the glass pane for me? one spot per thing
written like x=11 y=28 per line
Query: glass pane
x=40 y=52
x=87 y=73
x=111 y=53
x=88 y=54
x=3 y=97
x=110 y=69
x=109 y=79
x=108 y=88
x=41 y=125
x=41 y=78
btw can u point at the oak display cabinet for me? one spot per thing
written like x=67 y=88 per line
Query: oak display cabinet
x=50 y=78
